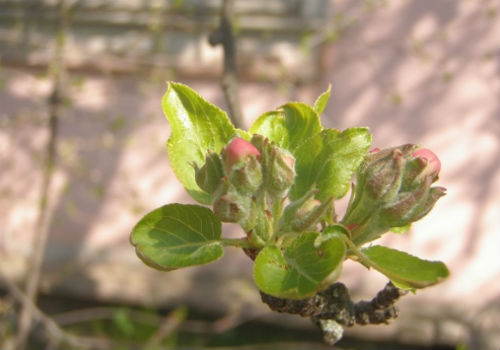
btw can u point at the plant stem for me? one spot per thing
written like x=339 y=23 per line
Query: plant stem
x=335 y=304
x=276 y=212
x=236 y=242
x=54 y=333
x=362 y=258
x=224 y=35
x=41 y=231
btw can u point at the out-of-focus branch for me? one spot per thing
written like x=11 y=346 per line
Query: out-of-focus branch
x=168 y=325
x=224 y=35
x=171 y=321
x=55 y=333
x=42 y=223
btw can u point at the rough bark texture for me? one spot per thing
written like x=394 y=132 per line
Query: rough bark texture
x=335 y=304
x=333 y=307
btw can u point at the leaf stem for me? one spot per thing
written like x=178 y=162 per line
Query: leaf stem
x=362 y=258
x=276 y=212
x=236 y=242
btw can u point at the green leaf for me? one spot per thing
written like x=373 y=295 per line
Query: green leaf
x=322 y=100
x=243 y=134
x=326 y=158
x=197 y=126
x=404 y=269
x=178 y=235
x=302 y=123
x=290 y=126
x=336 y=230
x=329 y=161
x=401 y=229
x=299 y=269
x=273 y=126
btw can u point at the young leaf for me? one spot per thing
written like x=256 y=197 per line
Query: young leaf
x=243 y=134
x=273 y=126
x=322 y=100
x=405 y=270
x=197 y=126
x=178 y=235
x=290 y=126
x=299 y=269
x=336 y=230
x=329 y=160
x=302 y=123
x=401 y=229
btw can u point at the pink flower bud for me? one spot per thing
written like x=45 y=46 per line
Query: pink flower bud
x=393 y=190
x=237 y=150
x=433 y=161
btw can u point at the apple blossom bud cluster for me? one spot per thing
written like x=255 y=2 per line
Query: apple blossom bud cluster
x=243 y=178
x=393 y=189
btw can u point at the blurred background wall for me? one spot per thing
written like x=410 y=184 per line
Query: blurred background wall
x=413 y=71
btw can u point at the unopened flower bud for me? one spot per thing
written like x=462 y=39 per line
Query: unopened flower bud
x=290 y=212
x=281 y=173
x=393 y=189
x=432 y=159
x=260 y=233
x=242 y=165
x=209 y=176
x=229 y=205
x=384 y=176
x=426 y=205
x=261 y=143
x=247 y=177
x=278 y=167
x=401 y=210
x=237 y=151
x=228 y=209
x=430 y=165
x=310 y=214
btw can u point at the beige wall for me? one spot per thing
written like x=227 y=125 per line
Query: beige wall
x=413 y=71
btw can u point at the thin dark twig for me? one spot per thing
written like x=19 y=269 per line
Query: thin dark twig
x=41 y=230
x=224 y=35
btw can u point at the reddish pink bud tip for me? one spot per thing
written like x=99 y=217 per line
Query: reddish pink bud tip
x=432 y=160
x=239 y=149
x=374 y=150
x=352 y=226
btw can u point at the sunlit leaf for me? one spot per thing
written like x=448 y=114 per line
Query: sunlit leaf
x=178 y=235
x=401 y=229
x=329 y=161
x=299 y=269
x=322 y=101
x=197 y=126
x=290 y=126
x=405 y=270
